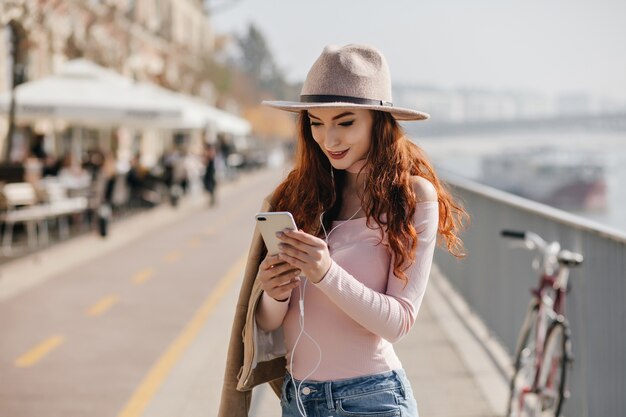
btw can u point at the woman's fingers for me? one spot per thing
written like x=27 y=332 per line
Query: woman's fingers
x=306 y=252
x=291 y=282
x=273 y=265
x=284 y=291
x=281 y=279
x=281 y=269
x=300 y=254
x=275 y=272
x=292 y=260
x=299 y=239
x=290 y=285
x=270 y=261
x=300 y=246
x=286 y=249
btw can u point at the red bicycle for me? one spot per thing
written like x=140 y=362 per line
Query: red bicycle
x=543 y=353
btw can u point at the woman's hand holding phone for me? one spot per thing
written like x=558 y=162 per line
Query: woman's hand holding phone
x=277 y=277
x=306 y=252
x=292 y=253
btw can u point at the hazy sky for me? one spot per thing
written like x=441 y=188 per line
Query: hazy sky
x=545 y=46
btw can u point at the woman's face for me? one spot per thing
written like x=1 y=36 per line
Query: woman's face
x=344 y=135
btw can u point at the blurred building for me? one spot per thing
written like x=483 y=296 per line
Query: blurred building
x=461 y=105
x=166 y=42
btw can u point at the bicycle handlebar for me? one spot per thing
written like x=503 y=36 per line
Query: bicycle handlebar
x=533 y=241
x=514 y=234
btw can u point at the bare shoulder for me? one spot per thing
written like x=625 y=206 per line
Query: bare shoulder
x=424 y=189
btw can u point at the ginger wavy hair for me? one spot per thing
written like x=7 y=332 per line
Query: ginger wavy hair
x=390 y=201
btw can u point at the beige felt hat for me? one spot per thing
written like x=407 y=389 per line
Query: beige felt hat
x=350 y=77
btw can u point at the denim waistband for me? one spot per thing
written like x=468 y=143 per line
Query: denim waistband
x=329 y=391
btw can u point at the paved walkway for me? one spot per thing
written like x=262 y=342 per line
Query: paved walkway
x=450 y=371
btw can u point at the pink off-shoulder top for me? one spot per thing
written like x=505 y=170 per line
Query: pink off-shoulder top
x=359 y=308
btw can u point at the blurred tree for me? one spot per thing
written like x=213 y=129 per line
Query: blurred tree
x=220 y=75
x=244 y=71
x=256 y=61
x=270 y=124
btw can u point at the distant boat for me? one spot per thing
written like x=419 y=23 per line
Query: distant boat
x=572 y=180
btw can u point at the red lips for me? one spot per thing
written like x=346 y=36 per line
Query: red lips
x=337 y=155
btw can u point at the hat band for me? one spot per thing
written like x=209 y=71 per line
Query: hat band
x=326 y=98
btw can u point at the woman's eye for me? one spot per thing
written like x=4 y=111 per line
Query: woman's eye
x=347 y=123
x=315 y=124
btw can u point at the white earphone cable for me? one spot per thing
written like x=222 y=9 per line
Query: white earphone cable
x=299 y=402
x=302 y=290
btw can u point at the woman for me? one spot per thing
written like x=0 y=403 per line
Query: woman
x=349 y=283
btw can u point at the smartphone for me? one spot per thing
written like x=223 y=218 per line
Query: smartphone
x=271 y=222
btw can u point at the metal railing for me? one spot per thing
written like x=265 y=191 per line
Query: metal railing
x=495 y=280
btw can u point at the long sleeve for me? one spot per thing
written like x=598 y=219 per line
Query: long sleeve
x=390 y=314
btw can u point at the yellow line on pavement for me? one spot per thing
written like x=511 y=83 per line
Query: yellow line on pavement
x=103 y=305
x=38 y=352
x=173 y=256
x=161 y=369
x=142 y=276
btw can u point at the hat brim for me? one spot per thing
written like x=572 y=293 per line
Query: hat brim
x=398 y=113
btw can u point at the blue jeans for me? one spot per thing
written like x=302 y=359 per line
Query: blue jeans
x=381 y=395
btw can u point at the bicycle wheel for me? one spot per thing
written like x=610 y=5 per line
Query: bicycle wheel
x=552 y=377
x=524 y=367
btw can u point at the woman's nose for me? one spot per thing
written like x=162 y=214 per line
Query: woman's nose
x=332 y=139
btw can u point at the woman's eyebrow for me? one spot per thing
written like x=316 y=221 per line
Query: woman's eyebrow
x=339 y=116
